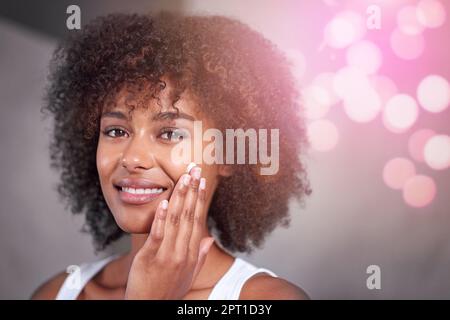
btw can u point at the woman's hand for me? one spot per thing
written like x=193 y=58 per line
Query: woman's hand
x=174 y=252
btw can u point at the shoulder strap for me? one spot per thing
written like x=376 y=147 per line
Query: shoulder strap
x=230 y=285
x=79 y=276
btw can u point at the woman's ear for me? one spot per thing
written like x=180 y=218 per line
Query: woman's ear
x=225 y=170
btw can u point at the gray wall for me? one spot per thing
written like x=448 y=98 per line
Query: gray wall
x=351 y=221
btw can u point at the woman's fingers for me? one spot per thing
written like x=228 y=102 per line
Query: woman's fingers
x=186 y=222
x=199 y=220
x=157 y=230
x=187 y=214
x=174 y=210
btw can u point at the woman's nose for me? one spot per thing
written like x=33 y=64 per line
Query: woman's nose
x=138 y=154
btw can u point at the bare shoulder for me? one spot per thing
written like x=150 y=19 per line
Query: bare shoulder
x=49 y=289
x=263 y=286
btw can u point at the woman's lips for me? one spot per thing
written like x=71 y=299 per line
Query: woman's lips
x=138 y=198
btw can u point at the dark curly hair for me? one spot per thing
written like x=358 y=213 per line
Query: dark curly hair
x=240 y=79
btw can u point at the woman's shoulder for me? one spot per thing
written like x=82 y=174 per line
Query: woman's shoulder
x=49 y=289
x=263 y=286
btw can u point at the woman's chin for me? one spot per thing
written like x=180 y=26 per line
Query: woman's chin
x=139 y=223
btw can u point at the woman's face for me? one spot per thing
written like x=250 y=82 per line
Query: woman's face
x=135 y=151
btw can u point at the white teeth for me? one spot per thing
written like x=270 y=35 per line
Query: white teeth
x=142 y=191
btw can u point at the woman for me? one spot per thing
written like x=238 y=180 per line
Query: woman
x=126 y=92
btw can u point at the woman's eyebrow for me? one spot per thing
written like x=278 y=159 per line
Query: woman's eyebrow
x=115 y=114
x=167 y=115
x=172 y=115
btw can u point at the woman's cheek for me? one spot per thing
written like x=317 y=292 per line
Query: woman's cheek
x=106 y=160
x=174 y=161
x=171 y=158
x=173 y=169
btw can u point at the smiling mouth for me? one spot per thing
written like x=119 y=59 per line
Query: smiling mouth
x=139 y=195
x=141 y=190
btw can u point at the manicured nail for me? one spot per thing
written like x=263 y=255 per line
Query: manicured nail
x=196 y=172
x=186 y=180
x=202 y=184
x=164 y=204
x=190 y=166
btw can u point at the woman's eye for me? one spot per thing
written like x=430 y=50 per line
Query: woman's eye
x=114 y=132
x=173 y=135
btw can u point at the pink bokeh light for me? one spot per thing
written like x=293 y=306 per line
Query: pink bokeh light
x=316 y=102
x=347 y=80
x=362 y=106
x=419 y=191
x=407 y=46
x=397 y=171
x=344 y=29
x=361 y=101
x=433 y=93
x=398 y=70
x=437 y=152
x=385 y=87
x=364 y=55
x=400 y=113
x=431 y=13
x=325 y=81
x=323 y=135
x=416 y=143
x=408 y=22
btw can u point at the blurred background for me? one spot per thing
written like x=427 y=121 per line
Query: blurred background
x=375 y=82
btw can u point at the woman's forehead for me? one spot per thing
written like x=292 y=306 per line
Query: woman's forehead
x=130 y=102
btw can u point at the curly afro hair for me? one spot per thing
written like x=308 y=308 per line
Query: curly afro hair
x=240 y=79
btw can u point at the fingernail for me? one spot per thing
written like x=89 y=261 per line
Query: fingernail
x=196 y=173
x=186 y=179
x=190 y=166
x=202 y=184
x=164 y=204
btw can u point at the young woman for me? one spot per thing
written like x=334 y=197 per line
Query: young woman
x=126 y=91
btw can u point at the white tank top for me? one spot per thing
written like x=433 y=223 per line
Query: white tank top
x=227 y=288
